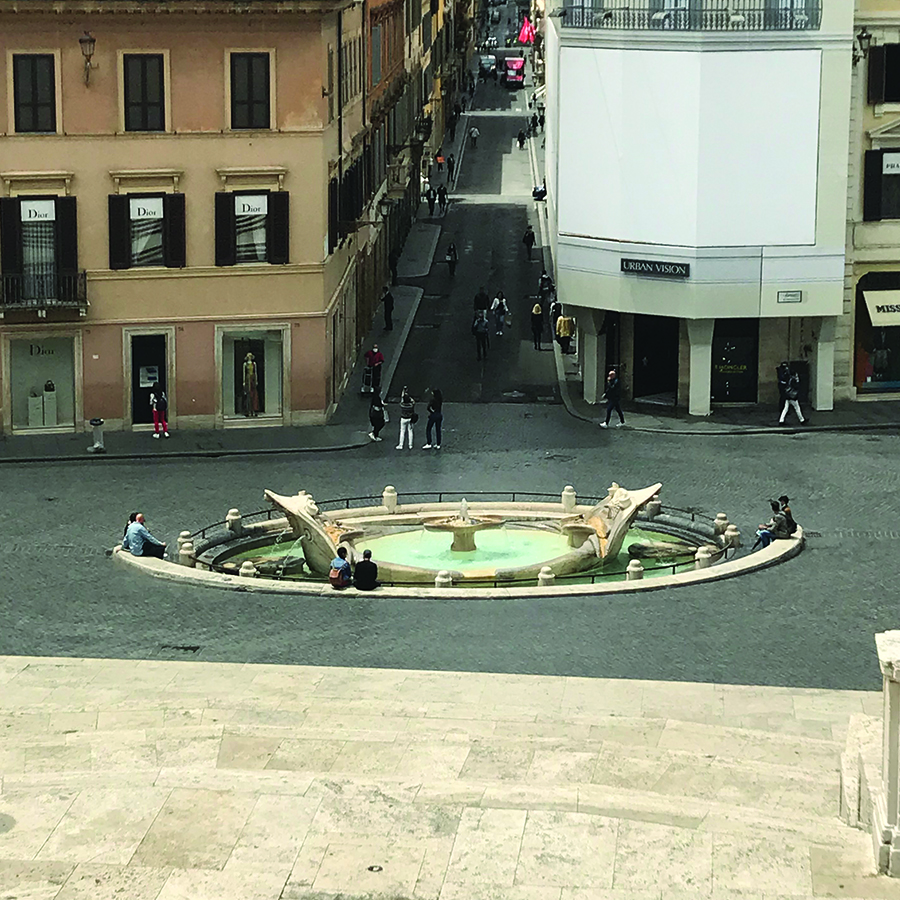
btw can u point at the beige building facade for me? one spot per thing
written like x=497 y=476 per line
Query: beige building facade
x=176 y=208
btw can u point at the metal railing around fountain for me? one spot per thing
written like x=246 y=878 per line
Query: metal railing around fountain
x=269 y=514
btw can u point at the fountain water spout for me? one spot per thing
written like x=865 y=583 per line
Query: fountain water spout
x=464 y=510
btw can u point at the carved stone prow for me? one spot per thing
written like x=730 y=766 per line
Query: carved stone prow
x=620 y=510
x=310 y=527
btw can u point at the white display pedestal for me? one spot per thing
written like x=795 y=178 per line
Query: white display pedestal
x=50 y=408
x=35 y=412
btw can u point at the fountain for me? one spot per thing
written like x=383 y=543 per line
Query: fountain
x=463 y=527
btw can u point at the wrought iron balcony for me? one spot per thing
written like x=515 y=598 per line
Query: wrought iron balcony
x=43 y=290
x=694 y=15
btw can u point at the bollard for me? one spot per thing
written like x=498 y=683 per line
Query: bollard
x=546 y=577
x=248 y=570
x=568 y=499
x=97 y=431
x=186 y=555
x=702 y=558
x=184 y=537
x=444 y=579
x=389 y=499
x=233 y=522
x=720 y=524
x=732 y=537
x=635 y=570
x=653 y=507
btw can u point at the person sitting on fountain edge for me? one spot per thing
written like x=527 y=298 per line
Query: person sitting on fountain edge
x=139 y=542
x=776 y=528
x=365 y=578
x=340 y=576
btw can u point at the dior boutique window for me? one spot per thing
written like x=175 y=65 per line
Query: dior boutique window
x=146 y=230
x=252 y=228
x=42 y=381
x=252 y=372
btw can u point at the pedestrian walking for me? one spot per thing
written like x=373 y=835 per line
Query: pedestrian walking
x=545 y=285
x=451 y=165
x=452 y=258
x=435 y=418
x=499 y=310
x=442 y=199
x=457 y=109
x=528 y=240
x=789 y=391
x=374 y=363
x=555 y=313
x=481 y=330
x=393 y=262
x=439 y=159
x=387 y=298
x=378 y=416
x=481 y=301
x=431 y=199
x=408 y=418
x=521 y=139
x=537 y=325
x=565 y=330
x=534 y=123
x=541 y=119
x=613 y=394
x=159 y=403
x=474 y=134
x=451 y=128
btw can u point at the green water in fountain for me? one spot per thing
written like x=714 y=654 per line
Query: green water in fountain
x=497 y=548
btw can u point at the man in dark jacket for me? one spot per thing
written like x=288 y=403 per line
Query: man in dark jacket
x=528 y=239
x=482 y=301
x=365 y=578
x=613 y=394
x=387 y=298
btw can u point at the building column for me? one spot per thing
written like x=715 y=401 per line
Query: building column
x=700 y=335
x=590 y=324
x=822 y=369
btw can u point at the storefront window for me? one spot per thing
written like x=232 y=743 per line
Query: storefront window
x=42 y=382
x=252 y=366
x=146 y=231
x=250 y=213
x=877 y=356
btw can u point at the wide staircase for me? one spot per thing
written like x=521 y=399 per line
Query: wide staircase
x=175 y=780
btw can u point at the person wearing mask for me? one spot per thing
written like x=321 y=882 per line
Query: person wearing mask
x=374 y=363
x=365 y=577
x=499 y=311
x=139 y=542
x=377 y=417
x=537 y=325
x=340 y=575
x=613 y=394
x=435 y=418
x=408 y=418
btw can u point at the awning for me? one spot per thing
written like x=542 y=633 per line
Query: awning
x=884 y=307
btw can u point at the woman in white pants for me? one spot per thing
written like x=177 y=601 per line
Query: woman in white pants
x=407 y=418
x=789 y=389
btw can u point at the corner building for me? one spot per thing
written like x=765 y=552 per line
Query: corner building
x=174 y=196
x=697 y=184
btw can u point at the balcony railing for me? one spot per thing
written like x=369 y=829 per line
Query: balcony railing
x=44 y=290
x=695 y=15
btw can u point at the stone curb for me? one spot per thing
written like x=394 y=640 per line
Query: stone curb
x=777 y=552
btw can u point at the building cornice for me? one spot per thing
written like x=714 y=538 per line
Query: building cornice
x=173 y=7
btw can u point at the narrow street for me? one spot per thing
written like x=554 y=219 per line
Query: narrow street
x=490 y=207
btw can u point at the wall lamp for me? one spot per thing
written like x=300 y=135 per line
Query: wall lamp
x=87 y=42
x=861 y=44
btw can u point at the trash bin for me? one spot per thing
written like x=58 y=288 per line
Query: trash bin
x=97 y=428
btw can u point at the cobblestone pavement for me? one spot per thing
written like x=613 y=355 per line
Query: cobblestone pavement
x=807 y=623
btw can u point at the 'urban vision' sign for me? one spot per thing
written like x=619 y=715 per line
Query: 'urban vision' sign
x=656 y=267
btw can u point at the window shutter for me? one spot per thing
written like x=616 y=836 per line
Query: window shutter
x=278 y=236
x=876 y=73
x=119 y=232
x=10 y=237
x=66 y=234
x=175 y=254
x=224 y=229
x=872 y=186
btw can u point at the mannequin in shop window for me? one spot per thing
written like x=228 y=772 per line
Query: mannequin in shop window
x=881 y=359
x=251 y=390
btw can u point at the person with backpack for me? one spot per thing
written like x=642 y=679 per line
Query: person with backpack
x=481 y=330
x=340 y=575
x=499 y=310
x=789 y=391
x=159 y=403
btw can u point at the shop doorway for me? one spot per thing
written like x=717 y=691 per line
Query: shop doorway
x=249 y=377
x=735 y=361
x=149 y=364
x=656 y=359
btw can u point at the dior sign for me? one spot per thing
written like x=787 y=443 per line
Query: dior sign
x=656 y=267
x=146 y=208
x=251 y=205
x=38 y=210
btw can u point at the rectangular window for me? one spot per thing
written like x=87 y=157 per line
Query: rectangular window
x=144 y=92
x=252 y=228
x=250 y=212
x=39 y=265
x=250 y=103
x=376 y=54
x=34 y=89
x=146 y=219
x=881 y=194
